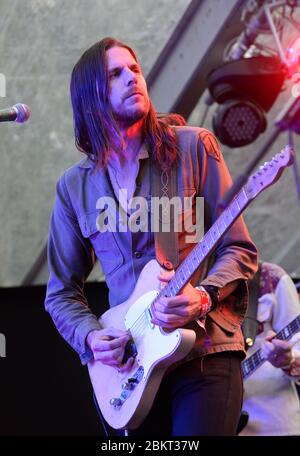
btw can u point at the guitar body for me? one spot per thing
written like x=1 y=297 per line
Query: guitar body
x=156 y=351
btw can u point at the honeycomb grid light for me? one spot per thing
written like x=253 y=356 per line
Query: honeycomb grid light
x=238 y=122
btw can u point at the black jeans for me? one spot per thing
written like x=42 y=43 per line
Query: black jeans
x=202 y=397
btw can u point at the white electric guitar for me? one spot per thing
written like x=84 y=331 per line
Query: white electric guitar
x=126 y=398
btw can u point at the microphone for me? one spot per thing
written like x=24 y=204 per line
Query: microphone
x=17 y=113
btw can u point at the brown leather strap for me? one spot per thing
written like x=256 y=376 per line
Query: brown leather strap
x=166 y=238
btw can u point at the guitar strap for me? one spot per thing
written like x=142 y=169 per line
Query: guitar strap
x=249 y=326
x=164 y=184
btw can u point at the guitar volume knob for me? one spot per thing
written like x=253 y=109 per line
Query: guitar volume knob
x=115 y=402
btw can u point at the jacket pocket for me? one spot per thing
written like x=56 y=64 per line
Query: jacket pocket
x=230 y=324
x=105 y=244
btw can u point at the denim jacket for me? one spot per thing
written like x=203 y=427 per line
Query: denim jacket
x=75 y=242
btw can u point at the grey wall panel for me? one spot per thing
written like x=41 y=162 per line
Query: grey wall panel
x=40 y=41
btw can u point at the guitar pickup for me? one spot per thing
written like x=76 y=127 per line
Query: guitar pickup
x=149 y=318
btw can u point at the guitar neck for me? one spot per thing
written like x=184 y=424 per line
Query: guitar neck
x=249 y=365
x=206 y=245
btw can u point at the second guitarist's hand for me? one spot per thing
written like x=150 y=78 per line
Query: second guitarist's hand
x=177 y=311
x=277 y=352
x=108 y=346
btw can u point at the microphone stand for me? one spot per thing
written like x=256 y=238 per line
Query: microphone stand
x=287 y=120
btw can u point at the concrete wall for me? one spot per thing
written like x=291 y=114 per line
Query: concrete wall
x=40 y=41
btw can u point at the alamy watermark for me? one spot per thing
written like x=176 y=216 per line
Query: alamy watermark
x=152 y=214
x=2 y=85
x=2 y=346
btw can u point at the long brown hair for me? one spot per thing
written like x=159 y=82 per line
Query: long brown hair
x=96 y=130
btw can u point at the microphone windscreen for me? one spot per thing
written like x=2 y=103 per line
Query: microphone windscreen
x=23 y=112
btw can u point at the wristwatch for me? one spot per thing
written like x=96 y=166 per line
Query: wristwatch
x=214 y=293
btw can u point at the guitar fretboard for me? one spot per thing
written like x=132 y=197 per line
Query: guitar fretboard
x=205 y=246
x=249 y=365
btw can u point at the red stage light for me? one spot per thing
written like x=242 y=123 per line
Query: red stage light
x=293 y=56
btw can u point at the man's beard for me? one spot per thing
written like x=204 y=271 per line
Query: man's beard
x=127 y=118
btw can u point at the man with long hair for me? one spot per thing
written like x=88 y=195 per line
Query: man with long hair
x=125 y=141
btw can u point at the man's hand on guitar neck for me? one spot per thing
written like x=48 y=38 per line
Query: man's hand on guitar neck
x=175 y=312
x=277 y=352
x=108 y=346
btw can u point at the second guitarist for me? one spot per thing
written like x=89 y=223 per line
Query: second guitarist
x=270 y=396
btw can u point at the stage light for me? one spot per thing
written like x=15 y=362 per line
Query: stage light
x=245 y=89
x=293 y=56
x=238 y=122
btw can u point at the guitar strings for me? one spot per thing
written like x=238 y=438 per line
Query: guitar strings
x=138 y=328
x=142 y=320
x=183 y=272
x=138 y=324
